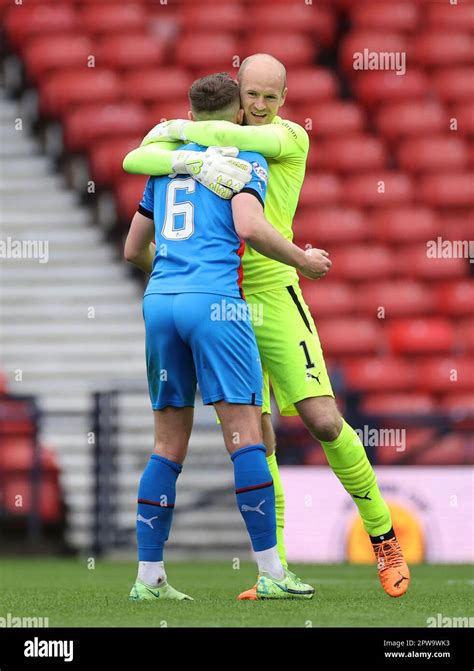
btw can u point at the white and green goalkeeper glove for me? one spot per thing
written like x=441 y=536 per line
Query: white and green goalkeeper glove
x=166 y=131
x=218 y=169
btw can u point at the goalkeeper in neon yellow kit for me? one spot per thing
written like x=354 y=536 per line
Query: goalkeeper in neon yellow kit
x=287 y=338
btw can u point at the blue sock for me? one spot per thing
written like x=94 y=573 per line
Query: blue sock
x=255 y=495
x=156 y=499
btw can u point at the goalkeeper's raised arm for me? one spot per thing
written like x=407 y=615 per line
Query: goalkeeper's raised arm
x=280 y=140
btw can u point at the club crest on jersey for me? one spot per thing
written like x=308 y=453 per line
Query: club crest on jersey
x=260 y=171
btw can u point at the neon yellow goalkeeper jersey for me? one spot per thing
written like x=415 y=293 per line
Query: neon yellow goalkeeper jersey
x=285 y=145
x=286 y=175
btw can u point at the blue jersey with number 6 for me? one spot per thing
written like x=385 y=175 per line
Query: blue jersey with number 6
x=197 y=247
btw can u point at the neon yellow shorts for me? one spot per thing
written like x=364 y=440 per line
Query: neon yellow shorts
x=290 y=351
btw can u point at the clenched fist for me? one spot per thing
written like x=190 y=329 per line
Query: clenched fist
x=316 y=265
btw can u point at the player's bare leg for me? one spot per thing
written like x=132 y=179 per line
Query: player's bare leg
x=241 y=425
x=156 y=499
x=347 y=457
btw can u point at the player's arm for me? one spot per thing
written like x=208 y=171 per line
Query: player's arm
x=279 y=141
x=154 y=159
x=218 y=168
x=252 y=226
x=139 y=245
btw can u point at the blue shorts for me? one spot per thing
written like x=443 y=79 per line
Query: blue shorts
x=200 y=338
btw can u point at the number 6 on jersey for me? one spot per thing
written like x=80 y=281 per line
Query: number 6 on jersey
x=173 y=210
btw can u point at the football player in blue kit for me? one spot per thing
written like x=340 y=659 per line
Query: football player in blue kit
x=191 y=237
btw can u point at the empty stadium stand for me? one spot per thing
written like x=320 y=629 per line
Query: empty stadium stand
x=391 y=168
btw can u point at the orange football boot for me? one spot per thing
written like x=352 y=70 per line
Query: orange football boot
x=392 y=567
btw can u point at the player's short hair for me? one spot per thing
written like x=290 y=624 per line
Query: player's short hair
x=213 y=94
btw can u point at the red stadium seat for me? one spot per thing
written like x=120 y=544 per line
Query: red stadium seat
x=331 y=225
x=93 y=122
x=379 y=189
x=424 y=260
x=395 y=16
x=465 y=118
x=471 y=154
x=224 y=17
x=290 y=48
x=336 y=117
x=403 y=224
x=106 y=158
x=448 y=450
x=213 y=51
x=44 y=54
x=309 y=84
x=16 y=417
x=446 y=375
x=166 y=110
x=373 y=41
x=421 y=336
x=456 y=226
x=329 y=299
x=127 y=52
x=357 y=153
x=129 y=192
x=3 y=382
x=432 y=154
x=458 y=406
x=152 y=85
x=388 y=87
x=452 y=189
x=16 y=452
x=400 y=298
x=113 y=18
x=321 y=189
x=361 y=262
x=379 y=375
x=19 y=484
x=456 y=298
x=454 y=84
x=296 y=18
x=408 y=403
x=63 y=90
x=350 y=336
x=23 y=21
x=466 y=335
x=439 y=48
x=450 y=17
x=411 y=119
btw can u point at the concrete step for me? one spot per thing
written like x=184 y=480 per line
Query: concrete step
x=70 y=219
x=61 y=312
x=26 y=167
x=64 y=350
x=86 y=255
x=31 y=184
x=50 y=292
x=93 y=370
x=86 y=330
x=80 y=236
x=39 y=202
x=11 y=146
x=109 y=272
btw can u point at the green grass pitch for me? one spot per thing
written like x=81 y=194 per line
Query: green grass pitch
x=71 y=595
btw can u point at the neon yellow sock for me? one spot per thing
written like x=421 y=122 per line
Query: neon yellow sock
x=347 y=457
x=280 y=507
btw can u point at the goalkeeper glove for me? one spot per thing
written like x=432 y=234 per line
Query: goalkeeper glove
x=167 y=131
x=218 y=169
